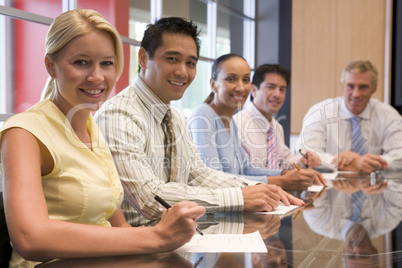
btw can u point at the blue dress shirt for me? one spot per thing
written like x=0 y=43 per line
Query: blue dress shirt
x=220 y=149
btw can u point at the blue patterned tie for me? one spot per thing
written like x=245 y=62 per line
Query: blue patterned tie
x=358 y=145
x=357 y=205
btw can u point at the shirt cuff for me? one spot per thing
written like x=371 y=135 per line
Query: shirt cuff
x=326 y=161
x=231 y=199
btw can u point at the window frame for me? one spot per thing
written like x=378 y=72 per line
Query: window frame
x=7 y=103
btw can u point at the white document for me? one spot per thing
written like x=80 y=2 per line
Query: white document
x=315 y=188
x=333 y=175
x=330 y=176
x=225 y=243
x=280 y=210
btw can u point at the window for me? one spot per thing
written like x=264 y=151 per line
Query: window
x=25 y=24
x=23 y=47
x=4 y=94
x=140 y=17
x=197 y=12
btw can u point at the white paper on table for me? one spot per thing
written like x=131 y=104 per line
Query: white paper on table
x=315 y=188
x=280 y=210
x=333 y=175
x=225 y=243
x=347 y=172
x=330 y=176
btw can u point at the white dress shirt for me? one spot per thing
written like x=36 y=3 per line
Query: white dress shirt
x=253 y=131
x=327 y=130
x=380 y=213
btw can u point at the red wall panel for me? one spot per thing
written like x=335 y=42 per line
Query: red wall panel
x=30 y=72
x=29 y=39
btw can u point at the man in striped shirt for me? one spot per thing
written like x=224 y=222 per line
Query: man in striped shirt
x=132 y=125
x=257 y=119
x=329 y=128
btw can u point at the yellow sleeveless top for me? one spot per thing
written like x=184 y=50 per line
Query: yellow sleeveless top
x=84 y=186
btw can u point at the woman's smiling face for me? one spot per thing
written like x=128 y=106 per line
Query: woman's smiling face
x=84 y=71
x=232 y=84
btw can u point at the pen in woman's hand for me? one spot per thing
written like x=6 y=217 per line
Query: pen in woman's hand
x=296 y=166
x=166 y=205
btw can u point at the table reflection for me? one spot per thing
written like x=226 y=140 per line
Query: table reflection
x=276 y=256
x=167 y=260
x=355 y=211
x=345 y=225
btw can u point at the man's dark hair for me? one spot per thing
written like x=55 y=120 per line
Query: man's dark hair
x=262 y=70
x=153 y=33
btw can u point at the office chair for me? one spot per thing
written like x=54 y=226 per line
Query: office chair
x=5 y=247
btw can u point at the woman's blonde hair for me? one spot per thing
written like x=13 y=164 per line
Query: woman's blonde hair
x=72 y=24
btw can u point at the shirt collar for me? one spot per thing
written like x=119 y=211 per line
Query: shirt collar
x=253 y=110
x=346 y=114
x=153 y=103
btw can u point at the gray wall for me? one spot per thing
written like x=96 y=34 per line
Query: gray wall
x=267 y=32
x=273 y=45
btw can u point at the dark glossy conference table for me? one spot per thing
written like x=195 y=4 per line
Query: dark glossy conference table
x=323 y=234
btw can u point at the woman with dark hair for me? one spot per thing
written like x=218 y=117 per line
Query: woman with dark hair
x=215 y=133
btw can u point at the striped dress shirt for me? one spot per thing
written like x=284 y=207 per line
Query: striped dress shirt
x=131 y=123
x=253 y=131
x=327 y=130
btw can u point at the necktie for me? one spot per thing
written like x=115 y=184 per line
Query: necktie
x=358 y=145
x=272 y=149
x=170 y=160
x=357 y=205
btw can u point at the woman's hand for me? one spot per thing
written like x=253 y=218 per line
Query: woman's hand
x=297 y=180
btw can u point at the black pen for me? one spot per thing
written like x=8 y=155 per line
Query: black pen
x=243 y=182
x=301 y=152
x=198 y=261
x=304 y=156
x=166 y=205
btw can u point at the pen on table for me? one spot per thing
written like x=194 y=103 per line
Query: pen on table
x=166 y=205
x=296 y=166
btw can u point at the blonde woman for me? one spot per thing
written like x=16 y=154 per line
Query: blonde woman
x=62 y=194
